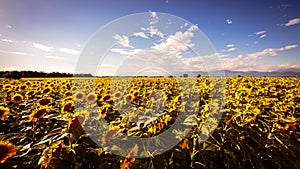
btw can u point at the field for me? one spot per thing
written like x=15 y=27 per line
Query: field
x=240 y=122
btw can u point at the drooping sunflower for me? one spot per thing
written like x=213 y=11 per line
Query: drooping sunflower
x=68 y=107
x=76 y=121
x=106 y=98
x=45 y=101
x=17 y=98
x=30 y=93
x=6 y=150
x=103 y=111
x=42 y=111
x=3 y=112
x=55 y=151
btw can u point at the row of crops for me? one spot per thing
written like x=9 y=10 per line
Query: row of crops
x=89 y=123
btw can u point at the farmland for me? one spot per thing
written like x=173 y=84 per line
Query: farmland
x=54 y=123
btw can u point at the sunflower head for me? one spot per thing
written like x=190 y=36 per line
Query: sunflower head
x=6 y=87
x=79 y=96
x=106 y=98
x=47 y=90
x=103 y=110
x=45 y=101
x=17 y=98
x=129 y=98
x=118 y=95
x=6 y=150
x=42 y=111
x=3 y=112
x=76 y=121
x=68 y=106
x=30 y=93
x=91 y=98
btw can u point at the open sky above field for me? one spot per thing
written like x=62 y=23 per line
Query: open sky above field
x=247 y=35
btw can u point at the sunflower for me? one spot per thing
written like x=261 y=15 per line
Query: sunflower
x=106 y=98
x=39 y=113
x=76 y=121
x=47 y=90
x=6 y=87
x=130 y=158
x=30 y=93
x=79 y=96
x=129 y=98
x=3 y=112
x=56 y=149
x=17 y=98
x=6 y=150
x=103 y=110
x=118 y=95
x=68 y=106
x=23 y=87
x=91 y=97
x=45 y=101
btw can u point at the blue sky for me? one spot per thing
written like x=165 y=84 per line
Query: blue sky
x=247 y=35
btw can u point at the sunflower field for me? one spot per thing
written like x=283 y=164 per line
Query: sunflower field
x=82 y=123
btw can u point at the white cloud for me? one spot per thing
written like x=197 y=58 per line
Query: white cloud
x=18 y=53
x=37 y=68
x=154 y=18
x=123 y=40
x=69 y=51
x=180 y=41
x=262 y=36
x=292 y=22
x=121 y=51
x=42 y=47
x=55 y=57
x=7 y=40
x=140 y=34
x=260 y=32
x=230 y=45
x=229 y=21
x=231 y=49
x=9 y=26
x=270 y=51
x=155 y=32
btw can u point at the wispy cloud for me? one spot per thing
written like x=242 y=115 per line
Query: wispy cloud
x=229 y=21
x=292 y=22
x=260 y=33
x=55 y=57
x=7 y=40
x=230 y=45
x=9 y=26
x=42 y=47
x=270 y=51
x=230 y=48
x=69 y=51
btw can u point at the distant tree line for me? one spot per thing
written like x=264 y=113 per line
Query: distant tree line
x=28 y=74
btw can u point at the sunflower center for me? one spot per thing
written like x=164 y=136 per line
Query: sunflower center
x=40 y=113
x=79 y=96
x=1 y=113
x=3 y=151
x=17 y=98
